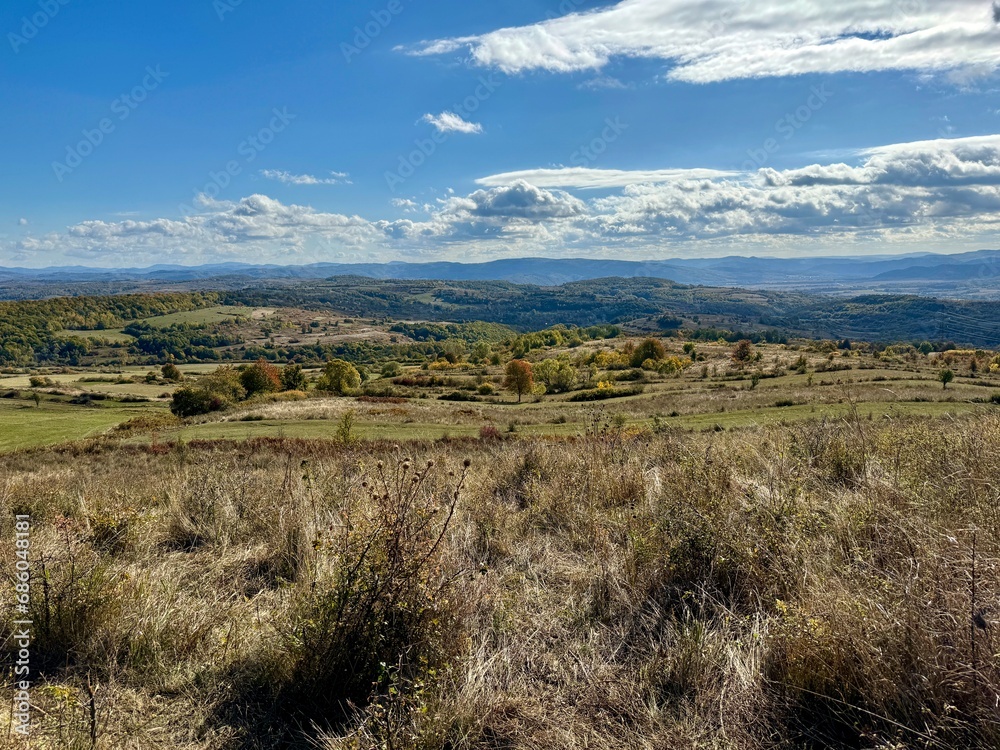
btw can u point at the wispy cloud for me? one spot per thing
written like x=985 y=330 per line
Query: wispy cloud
x=449 y=122
x=287 y=178
x=584 y=179
x=731 y=39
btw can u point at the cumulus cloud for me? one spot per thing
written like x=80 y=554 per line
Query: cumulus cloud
x=906 y=197
x=518 y=200
x=449 y=122
x=335 y=178
x=22 y=222
x=730 y=39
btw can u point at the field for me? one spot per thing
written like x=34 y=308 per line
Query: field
x=802 y=586
x=786 y=383
x=374 y=534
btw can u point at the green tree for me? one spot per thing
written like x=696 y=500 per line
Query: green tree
x=392 y=370
x=225 y=383
x=171 y=373
x=293 y=379
x=649 y=349
x=454 y=351
x=558 y=375
x=339 y=377
x=519 y=378
x=481 y=352
x=946 y=376
x=192 y=402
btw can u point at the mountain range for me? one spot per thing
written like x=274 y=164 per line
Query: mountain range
x=974 y=275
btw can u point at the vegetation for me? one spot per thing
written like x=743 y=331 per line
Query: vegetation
x=280 y=527
x=822 y=585
x=339 y=377
x=519 y=378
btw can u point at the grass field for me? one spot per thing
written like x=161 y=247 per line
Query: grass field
x=23 y=425
x=709 y=395
x=794 y=587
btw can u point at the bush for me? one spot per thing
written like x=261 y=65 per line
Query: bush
x=458 y=396
x=339 y=377
x=385 y=611
x=603 y=394
x=171 y=373
x=260 y=377
x=649 y=349
x=193 y=402
x=293 y=379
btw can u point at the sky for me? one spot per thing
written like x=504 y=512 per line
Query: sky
x=204 y=131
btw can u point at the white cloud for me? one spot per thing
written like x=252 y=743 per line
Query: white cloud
x=407 y=205
x=449 y=122
x=720 y=40
x=901 y=197
x=22 y=222
x=335 y=178
x=582 y=178
x=609 y=83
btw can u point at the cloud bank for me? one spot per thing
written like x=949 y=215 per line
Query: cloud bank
x=900 y=197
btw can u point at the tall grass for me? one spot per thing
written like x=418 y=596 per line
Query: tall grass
x=831 y=584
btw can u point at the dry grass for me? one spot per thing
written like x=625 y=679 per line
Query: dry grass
x=819 y=585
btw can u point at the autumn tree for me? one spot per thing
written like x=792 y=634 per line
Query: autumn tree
x=519 y=378
x=260 y=377
x=743 y=352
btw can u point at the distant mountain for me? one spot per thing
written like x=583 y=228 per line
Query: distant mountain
x=968 y=275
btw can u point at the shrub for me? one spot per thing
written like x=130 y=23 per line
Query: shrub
x=260 y=377
x=385 y=611
x=171 y=373
x=193 y=402
x=649 y=349
x=293 y=379
x=339 y=377
x=603 y=394
x=458 y=396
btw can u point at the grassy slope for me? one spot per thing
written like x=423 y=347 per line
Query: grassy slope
x=22 y=425
x=796 y=587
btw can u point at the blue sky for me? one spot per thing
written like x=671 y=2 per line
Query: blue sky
x=196 y=131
